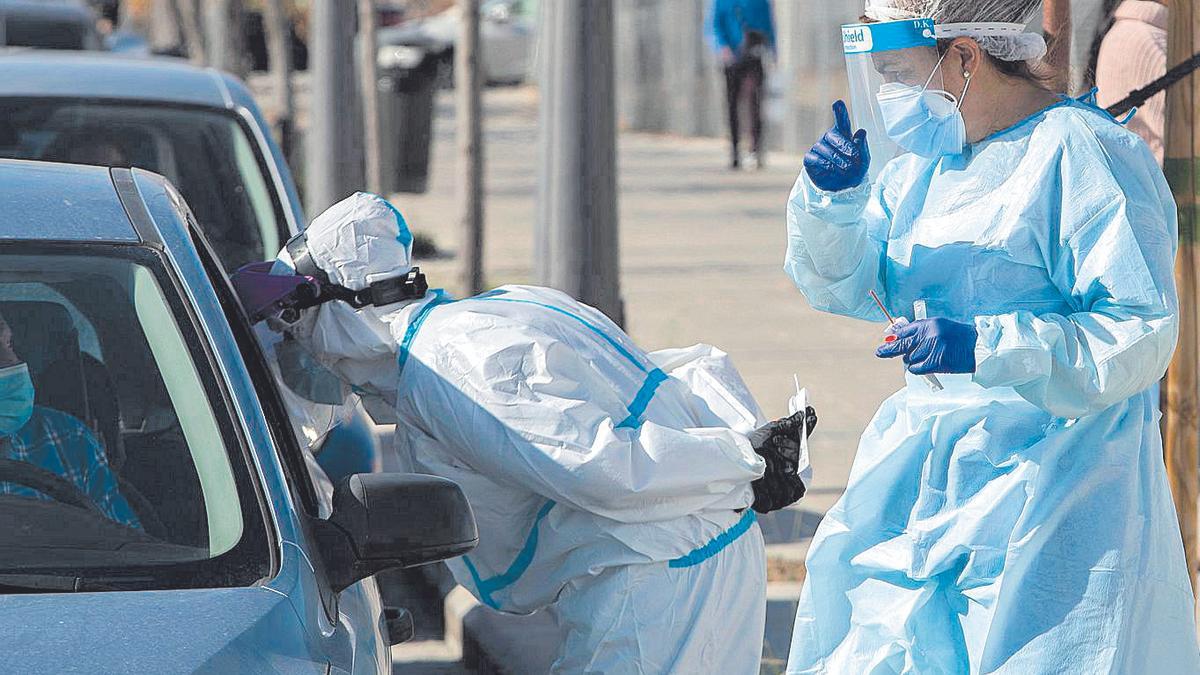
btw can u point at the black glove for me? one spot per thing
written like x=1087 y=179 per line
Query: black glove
x=779 y=444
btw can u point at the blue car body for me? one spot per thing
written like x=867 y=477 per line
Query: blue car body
x=288 y=621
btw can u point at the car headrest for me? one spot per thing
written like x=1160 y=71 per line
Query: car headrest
x=44 y=336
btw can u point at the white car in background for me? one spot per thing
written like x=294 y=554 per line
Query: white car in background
x=508 y=33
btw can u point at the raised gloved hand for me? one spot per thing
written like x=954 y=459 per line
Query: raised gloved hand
x=779 y=444
x=934 y=346
x=840 y=160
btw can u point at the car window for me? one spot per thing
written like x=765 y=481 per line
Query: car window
x=206 y=154
x=198 y=425
x=149 y=482
x=46 y=33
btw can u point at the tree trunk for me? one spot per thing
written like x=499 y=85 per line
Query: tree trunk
x=1057 y=26
x=1181 y=425
x=187 y=13
x=468 y=94
x=277 y=26
x=372 y=144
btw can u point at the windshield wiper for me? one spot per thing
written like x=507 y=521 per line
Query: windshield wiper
x=39 y=583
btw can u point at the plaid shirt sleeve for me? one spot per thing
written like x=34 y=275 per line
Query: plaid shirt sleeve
x=84 y=462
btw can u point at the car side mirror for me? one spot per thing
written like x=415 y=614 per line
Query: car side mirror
x=382 y=521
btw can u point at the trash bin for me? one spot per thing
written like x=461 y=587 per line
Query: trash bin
x=407 y=85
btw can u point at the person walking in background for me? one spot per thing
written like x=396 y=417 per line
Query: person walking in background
x=1133 y=54
x=744 y=34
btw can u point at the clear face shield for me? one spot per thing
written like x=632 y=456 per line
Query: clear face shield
x=316 y=399
x=896 y=91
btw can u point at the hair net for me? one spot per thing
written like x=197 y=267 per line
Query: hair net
x=997 y=25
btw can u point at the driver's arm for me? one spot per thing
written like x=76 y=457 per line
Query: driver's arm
x=86 y=459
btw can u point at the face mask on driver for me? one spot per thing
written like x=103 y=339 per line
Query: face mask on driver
x=16 y=398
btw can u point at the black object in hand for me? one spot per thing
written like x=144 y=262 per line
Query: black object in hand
x=779 y=444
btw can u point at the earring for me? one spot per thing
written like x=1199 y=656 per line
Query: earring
x=967 y=74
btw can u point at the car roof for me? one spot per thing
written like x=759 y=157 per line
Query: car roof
x=47 y=73
x=44 y=201
x=74 y=9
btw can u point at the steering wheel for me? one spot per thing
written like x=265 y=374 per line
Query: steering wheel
x=48 y=483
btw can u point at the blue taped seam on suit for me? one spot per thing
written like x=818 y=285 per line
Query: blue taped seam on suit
x=718 y=542
x=405 y=236
x=642 y=400
x=413 y=328
x=519 y=564
x=487 y=600
x=592 y=327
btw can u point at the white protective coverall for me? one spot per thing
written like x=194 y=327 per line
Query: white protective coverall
x=610 y=485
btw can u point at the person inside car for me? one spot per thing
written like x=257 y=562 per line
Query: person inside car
x=52 y=440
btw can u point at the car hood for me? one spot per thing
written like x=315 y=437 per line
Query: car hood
x=243 y=630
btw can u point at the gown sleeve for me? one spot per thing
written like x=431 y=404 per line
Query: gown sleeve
x=1113 y=259
x=528 y=414
x=836 y=246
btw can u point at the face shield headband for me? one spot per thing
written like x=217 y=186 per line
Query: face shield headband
x=265 y=295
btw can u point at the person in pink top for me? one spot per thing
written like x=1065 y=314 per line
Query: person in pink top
x=1132 y=55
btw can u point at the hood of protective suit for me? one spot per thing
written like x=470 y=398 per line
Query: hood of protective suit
x=358 y=241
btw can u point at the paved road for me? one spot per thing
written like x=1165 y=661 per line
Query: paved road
x=702 y=250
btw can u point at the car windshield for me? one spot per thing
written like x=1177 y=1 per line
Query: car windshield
x=207 y=155
x=127 y=469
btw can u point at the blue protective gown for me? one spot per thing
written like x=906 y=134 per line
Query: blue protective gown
x=1019 y=521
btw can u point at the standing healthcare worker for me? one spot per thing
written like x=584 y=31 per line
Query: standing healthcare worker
x=1019 y=519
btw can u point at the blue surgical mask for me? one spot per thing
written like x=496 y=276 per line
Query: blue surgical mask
x=926 y=122
x=16 y=398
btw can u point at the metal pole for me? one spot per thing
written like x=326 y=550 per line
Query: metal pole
x=469 y=114
x=1181 y=425
x=369 y=87
x=187 y=15
x=333 y=151
x=218 y=34
x=578 y=250
x=277 y=26
x=165 y=26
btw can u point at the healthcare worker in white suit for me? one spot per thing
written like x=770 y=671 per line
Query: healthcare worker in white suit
x=1014 y=516
x=611 y=486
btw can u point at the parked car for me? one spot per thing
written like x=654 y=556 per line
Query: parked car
x=507 y=34
x=222 y=561
x=198 y=127
x=49 y=24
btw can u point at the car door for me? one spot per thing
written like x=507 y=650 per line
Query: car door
x=358 y=643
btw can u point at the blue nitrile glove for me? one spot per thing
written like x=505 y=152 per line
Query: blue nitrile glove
x=839 y=160
x=934 y=346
